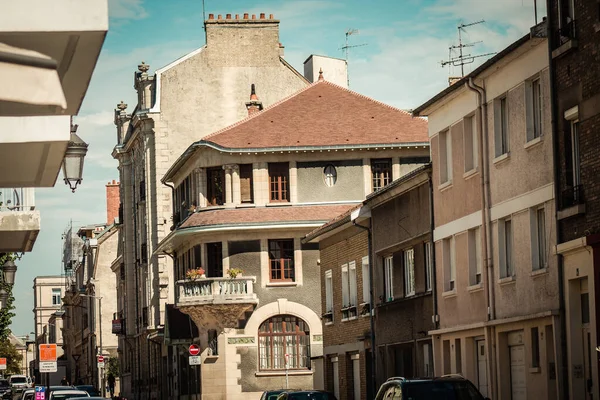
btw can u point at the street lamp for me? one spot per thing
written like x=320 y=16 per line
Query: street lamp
x=9 y=269
x=73 y=162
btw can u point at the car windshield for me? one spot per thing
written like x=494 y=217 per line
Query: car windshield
x=68 y=395
x=310 y=396
x=18 y=379
x=441 y=390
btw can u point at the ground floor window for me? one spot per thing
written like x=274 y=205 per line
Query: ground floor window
x=282 y=338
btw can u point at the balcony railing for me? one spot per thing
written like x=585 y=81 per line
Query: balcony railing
x=216 y=291
x=572 y=196
x=17 y=199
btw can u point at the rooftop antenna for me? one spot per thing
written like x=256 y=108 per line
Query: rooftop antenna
x=462 y=59
x=204 y=21
x=347 y=46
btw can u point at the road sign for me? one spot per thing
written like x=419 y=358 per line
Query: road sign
x=194 y=350
x=195 y=360
x=101 y=365
x=40 y=394
x=2 y=363
x=48 y=352
x=100 y=359
x=48 y=366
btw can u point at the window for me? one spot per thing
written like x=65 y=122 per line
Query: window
x=428 y=266
x=281 y=260
x=366 y=280
x=445 y=156
x=573 y=160
x=328 y=292
x=538 y=238
x=409 y=272
x=214 y=260
x=536 y=103
x=349 y=295
x=279 y=177
x=505 y=235
x=284 y=337
x=449 y=264
x=474 y=256
x=501 y=126
x=381 y=172
x=56 y=297
x=535 y=348
x=330 y=175
x=470 y=143
x=389 y=278
x=246 y=187
x=215 y=186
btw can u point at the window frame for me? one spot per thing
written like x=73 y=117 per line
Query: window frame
x=408 y=257
x=246 y=172
x=381 y=173
x=475 y=267
x=366 y=280
x=539 y=246
x=470 y=143
x=56 y=300
x=448 y=256
x=329 y=293
x=428 y=257
x=269 y=339
x=388 y=267
x=279 y=182
x=501 y=126
x=289 y=246
x=445 y=156
x=506 y=247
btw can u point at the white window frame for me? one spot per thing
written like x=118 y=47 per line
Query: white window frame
x=389 y=277
x=445 y=156
x=428 y=266
x=534 y=107
x=470 y=143
x=409 y=272
x=449 y=264
x=56 y=293
x=539 y=244
x=329 y=292
x=352 y=284
x=506 y=247
x=474 y=243
x=501 y=126
x=345 y=287
x=366 y=280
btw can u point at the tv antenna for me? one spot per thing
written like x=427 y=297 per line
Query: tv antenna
x=463 y=59
x=347 y=46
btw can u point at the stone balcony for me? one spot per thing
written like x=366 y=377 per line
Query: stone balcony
x=19 y=220
x=216 y=303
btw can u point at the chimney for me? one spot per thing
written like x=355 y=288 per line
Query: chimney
x=113 y=201
x=254 y=105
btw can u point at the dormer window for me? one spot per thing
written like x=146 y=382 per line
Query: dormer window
x=279 y=178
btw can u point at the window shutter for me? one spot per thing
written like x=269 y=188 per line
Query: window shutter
x=246 y=183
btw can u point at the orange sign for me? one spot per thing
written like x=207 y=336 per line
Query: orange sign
x=48 y=352
x=2 y=363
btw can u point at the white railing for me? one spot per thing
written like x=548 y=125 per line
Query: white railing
x=17 y=199
x=216 y=291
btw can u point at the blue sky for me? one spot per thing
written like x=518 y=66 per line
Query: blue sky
x=400 y=65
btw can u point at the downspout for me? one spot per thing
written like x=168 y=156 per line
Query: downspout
x=137 y=285
x=563 y=375
x=435 y=318
x=372 y=305
x=487 y=226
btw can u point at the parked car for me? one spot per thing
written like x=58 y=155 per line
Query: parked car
x=90 y=389
x=5 y=391
x=67 y=394
x=28 y=394
x=451 y=387
x=273 y=394
x=306 y=395
x=18 y=384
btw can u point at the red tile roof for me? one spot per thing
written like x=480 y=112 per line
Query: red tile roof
x=257 y=215
x=323 y=114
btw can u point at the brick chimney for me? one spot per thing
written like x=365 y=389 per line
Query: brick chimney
x=254 y=105
x=113 y=201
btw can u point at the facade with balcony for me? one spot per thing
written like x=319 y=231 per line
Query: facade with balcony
x=19 y=220
x=245 y=196
x=574 y=46
x=497 y=277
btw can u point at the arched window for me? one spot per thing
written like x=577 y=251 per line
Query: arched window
x=280 y=336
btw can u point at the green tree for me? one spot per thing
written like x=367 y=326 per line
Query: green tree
x=7 y=349
x=14 y=358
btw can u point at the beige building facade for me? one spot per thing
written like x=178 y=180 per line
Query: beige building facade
x=497 y=273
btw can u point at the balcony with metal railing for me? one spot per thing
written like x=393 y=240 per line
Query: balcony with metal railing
x=216 y=303
x=572 y=202
x=19 y=220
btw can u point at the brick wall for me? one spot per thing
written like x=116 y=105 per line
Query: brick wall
x=113 y=200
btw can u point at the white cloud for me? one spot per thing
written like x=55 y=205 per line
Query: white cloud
x=126 y=9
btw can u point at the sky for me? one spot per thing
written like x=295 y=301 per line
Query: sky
x=398 y=62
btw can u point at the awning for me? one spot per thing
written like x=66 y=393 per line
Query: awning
x=29 y=80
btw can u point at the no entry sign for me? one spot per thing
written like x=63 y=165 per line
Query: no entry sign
x=194 y=350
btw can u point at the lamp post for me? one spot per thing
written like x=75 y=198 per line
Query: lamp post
x=73 y=162
x=100 y=372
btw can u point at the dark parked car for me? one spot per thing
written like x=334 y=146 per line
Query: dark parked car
x=5 y=392
x=90 y=389
x=306 y=395
x=453 y=387
x=273 y=394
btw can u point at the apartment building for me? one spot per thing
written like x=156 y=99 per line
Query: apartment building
x=239 y=51
x=245 y=197
x=574 y=27
x=497 y=277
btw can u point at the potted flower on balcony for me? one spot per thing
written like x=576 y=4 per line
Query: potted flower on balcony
x=193 y=274
x=234 y=272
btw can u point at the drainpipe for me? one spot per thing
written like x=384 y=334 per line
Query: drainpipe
x=371 y=306
x=563 y=374
x=486 y=224
x=436 y=322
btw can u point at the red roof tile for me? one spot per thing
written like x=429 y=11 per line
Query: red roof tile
x=255 y=215
x=323 y=114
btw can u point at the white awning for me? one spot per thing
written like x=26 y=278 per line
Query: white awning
x=29 y=80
